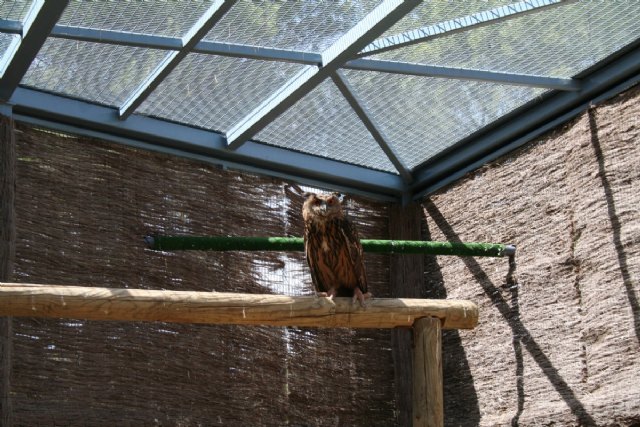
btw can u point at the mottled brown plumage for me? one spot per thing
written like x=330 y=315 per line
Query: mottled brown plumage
x=333 y=250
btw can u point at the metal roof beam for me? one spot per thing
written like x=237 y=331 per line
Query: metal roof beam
x=83 y=118
x=206 y=22
x=124 y=38
x=463 y=74
x=11 y=26
x=121 y=38
x=457 y=25
x=361 y=111
x=256 y=52
x=38 y=22
x=374 y=24
x=608 y=77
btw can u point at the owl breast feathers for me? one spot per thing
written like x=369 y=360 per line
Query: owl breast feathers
x=332 y=248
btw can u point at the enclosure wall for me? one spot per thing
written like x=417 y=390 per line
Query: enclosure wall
x=558 y=340
x=83 y=208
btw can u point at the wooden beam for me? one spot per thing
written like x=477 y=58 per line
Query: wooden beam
x=428 y=404
x=93 y=303
x=7 y=254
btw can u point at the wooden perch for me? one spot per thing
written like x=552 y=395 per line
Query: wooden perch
x=78 y=302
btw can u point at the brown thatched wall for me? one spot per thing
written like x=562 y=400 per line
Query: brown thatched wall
x=558 y=341
x=83 y=208
x=561 y=345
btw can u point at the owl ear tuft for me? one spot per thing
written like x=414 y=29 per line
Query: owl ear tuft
x=307 y=194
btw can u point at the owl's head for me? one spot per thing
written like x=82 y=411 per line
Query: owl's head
x=321 y=207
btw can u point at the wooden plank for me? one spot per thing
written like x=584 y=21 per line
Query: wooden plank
x=428 y=405
x=94 y=303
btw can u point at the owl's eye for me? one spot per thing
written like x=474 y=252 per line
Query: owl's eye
x=317 y=202
x=331 y=201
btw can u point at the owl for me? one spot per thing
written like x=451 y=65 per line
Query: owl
x=333 y=250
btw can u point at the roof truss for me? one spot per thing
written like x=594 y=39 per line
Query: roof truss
x=606 y=79
x=374 y=24
x=92 y=120
x=215 y=12
x=567 y=96
x=38 y=23
x=235 y=50
x=374 y=129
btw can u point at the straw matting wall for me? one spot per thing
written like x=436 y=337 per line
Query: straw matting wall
x=82 y=209
x=558 y=343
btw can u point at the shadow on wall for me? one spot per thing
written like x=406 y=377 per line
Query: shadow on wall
x=460 y=397
x=616 y=225
x=521 y=336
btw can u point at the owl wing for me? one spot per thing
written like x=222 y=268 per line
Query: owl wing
x=312 y=251
x=350 y=236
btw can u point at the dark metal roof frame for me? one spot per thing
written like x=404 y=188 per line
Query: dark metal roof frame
x=373 y=25
x=38 y=24
x=531 y=120
x=359 y=108
x=235 y=50
x=465 y=23
x=565 y=98
x=215 y=12
x=82 y=118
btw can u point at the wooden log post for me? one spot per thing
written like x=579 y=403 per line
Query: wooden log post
x=7 y=254
x=407 y=281
x=93 y=303
x=428 y=404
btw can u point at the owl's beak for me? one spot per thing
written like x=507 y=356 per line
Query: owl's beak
x=323 y=208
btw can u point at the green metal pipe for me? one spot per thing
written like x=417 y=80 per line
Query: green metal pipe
x=210 y=243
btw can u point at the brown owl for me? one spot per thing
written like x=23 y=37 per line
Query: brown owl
x=333 y=250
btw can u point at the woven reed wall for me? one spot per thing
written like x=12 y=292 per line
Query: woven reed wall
x=83 y=207
x=561 y=346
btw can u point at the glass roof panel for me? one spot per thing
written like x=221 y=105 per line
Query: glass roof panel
x=324 y=124
x=6 y=40
x=433 y=11
x=14 y=9
x=310 y=26
x=95 y=72
x=166 y=18
x=559 y=42
x=423 y=116
x=215 y=92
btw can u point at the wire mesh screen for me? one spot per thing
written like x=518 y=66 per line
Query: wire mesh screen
x=168 y=18
x=426 y=108
x=562 y=41
x=109 y=83
x=309 y=26
x=323 y=124
x=83 y=208
x=14 y=9
x=216 y=94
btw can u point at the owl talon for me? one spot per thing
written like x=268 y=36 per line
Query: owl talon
x=359 y=296
x=329 y=294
